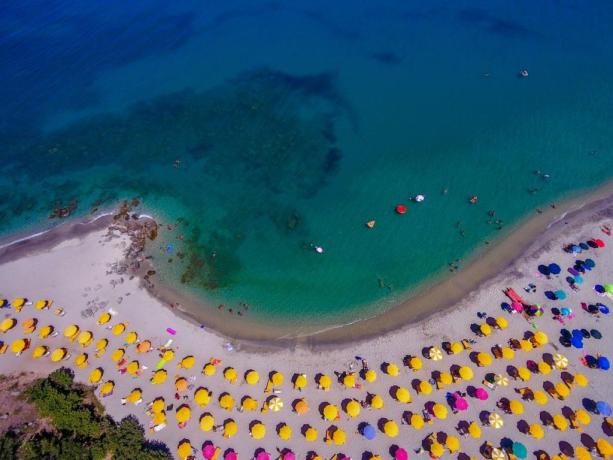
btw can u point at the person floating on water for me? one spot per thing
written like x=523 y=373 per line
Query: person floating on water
x=523 y=73
x=473 y=199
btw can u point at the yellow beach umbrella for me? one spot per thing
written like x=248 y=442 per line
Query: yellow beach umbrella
x=370 y=375
x=376 y=401
x=583 y=417
x=540 y=397
x=101 y=344
x=181 y=384
x=81 y=361
x=209 y=369
x=131 y=337
x=85 y=338
x=230 y=428
x=301 y=406
x=300 y=381
x=392 y=370
x=452 y=443
x=445 y=378
x=581 y=380
x=474 y=430
x=118 y=329
x=158 y=405
x=502 y=322
x=495 y=420
x=604 y=448
x=284 y=432
x=133 y=367
x=19 y=303
x=58 y=354
x=144 y=346
x=524 y=374
x=424 y=387
x=581 y=453
x=484 y=359
x=107 y=388
x=159 y=377
x=39 y=351
x=435 y=354
x=226 y=401
x=258 y=430
x=310 y=434
x=324 y=382
x=207 y=422
x=456 y=347
x=202 y=396
x=544 y=368
x=275 y=404
x=353 y=408
x=134 y=396
x=249 y=404
x=42 y=304
x=439 y=411
x=390 y=428
x=183 y=414
x=560 y=361
x=536 y=431
x=436 y=449
x=330 y=412
x=540 y=338
x=184 y=449
x=70 y=332
x=349 y=380
x=560 y=422
x=415 y=363
x=339 y=437
x=466 y=373
x=28 y=326
x=45 y=331
x=104 y=318
x=159 y=418
x=7 y=324
x=252 y=377
x=118 y=354
x=168 y=355
x=96 y=375
x=403 y=396
x=508 y=353
x=562 y=390
x=277 y=379
x=485 y=329
x=230 y=375
x=416 y=421
x=516 y=407
x=525 y=345
x=19 y=345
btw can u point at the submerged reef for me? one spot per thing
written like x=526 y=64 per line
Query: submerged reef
x=237 y=159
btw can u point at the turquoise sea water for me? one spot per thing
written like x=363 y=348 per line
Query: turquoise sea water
x=297 y=122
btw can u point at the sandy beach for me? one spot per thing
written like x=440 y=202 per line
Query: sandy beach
x=81 y=273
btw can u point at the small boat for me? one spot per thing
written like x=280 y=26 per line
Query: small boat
x=419 y=198
x=523 y=73
x=319 y=249
x=401 y=209
x=371 y=223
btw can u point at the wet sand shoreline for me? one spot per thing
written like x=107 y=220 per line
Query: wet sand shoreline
x=485 y=267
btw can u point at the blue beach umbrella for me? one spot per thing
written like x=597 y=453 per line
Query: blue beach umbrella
x=554 y=269
x=599 y=288
x=560 y=294
x=604 y=309
x=575 y=249
x=603 y=363
x=579 y=279
x=570 y=280
x=590 y=263
x=577 y=342
x=584 y=246
x=565 y=311
x=603 y=408
x=369 y=432
x=550 y=295
x=543 y=269
x=520 y=450
x=596 y=334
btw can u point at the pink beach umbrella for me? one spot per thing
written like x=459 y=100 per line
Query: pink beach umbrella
x=401 y=454
x=230 y=455
x=518 y=307
x=208 y=450
x=262 y=455
x=289 y=455
x=481 y=394
x=459 y=402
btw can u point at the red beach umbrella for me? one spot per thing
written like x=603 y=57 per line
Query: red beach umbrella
x=481 y=394
x=230 y=455
x=401 y=209
x=262 y=455
x=599 y=243
x=208 y=450
x=401 y=454
x=289 y=455
x=460 y=403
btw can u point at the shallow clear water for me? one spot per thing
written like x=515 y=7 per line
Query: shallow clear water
x=294 y=124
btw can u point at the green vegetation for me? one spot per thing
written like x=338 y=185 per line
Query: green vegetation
x=77 y=428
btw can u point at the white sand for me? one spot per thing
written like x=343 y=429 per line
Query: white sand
x=75 y=275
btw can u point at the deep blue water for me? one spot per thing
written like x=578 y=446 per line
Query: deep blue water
x=294 y=123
